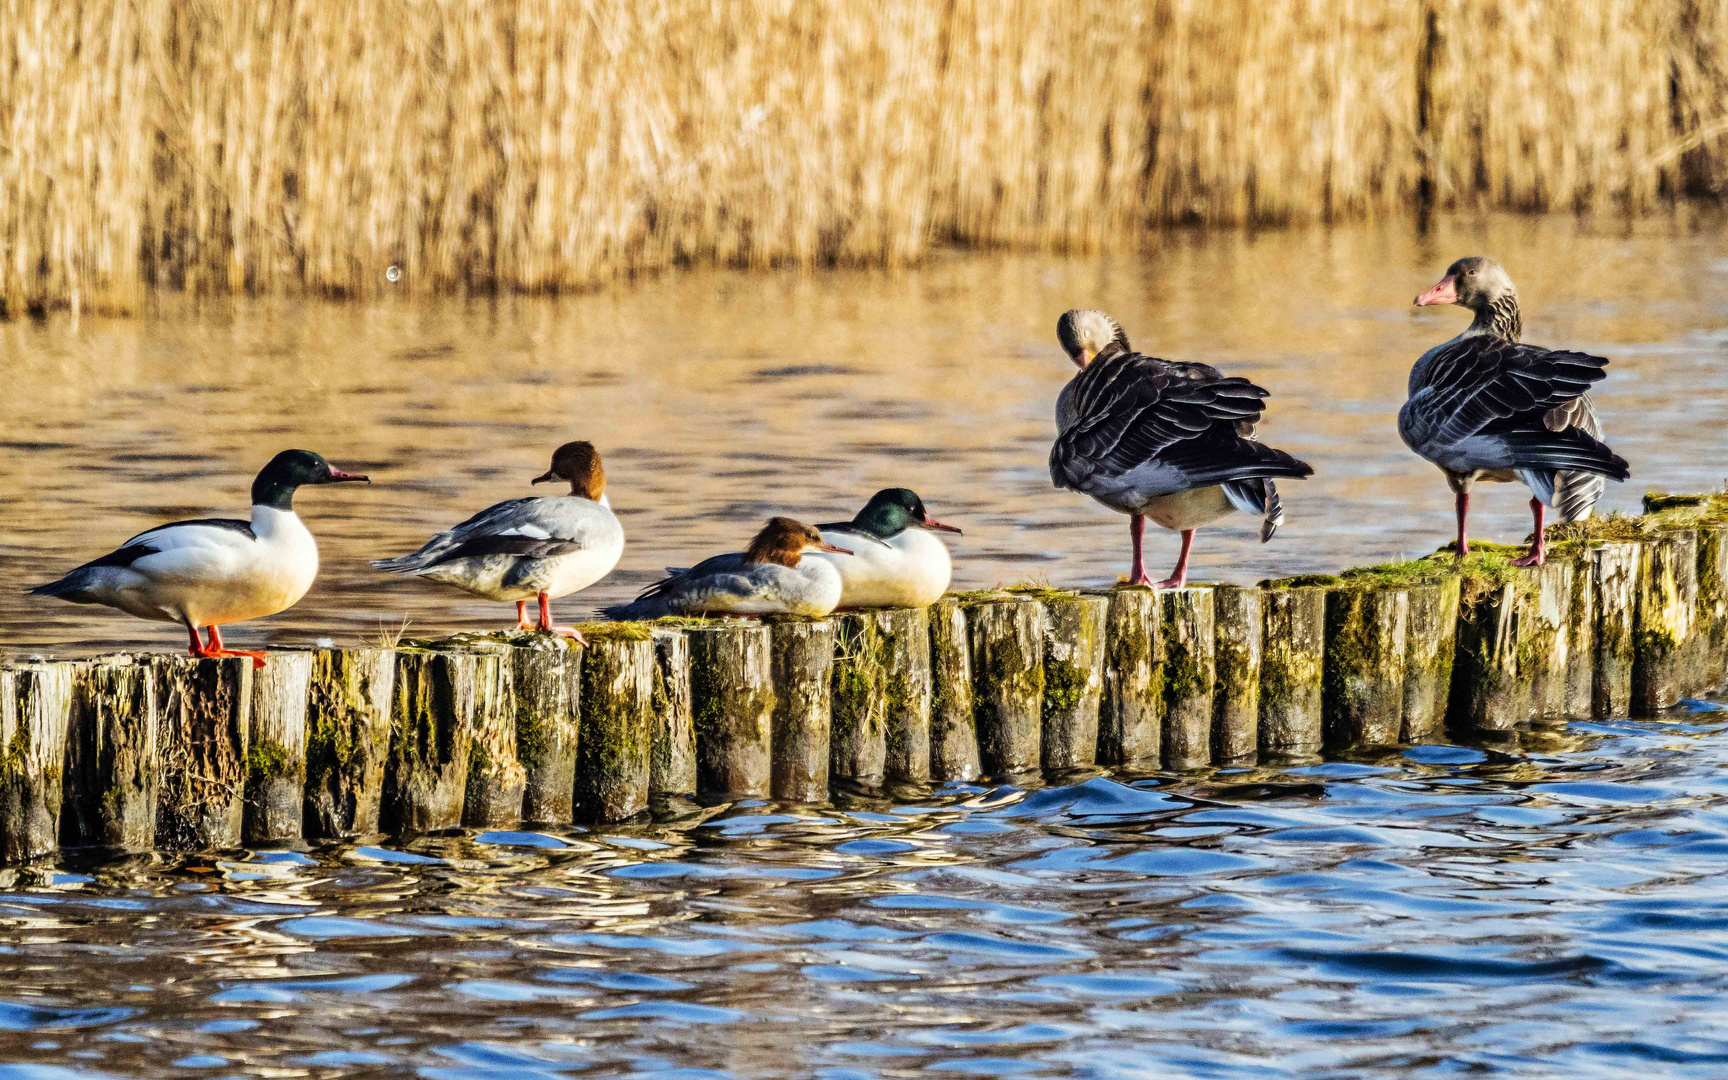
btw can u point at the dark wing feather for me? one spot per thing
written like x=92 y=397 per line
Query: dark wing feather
x=1485 y=385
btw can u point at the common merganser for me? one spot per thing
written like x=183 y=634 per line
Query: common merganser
x=1484 y=407
x=895 y=562
x=767 y=578
x=214 y=571
x=520 y=549
x=1161 y=439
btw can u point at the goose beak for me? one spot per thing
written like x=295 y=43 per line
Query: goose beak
x=544 y=478
x=1445 y=292
x=337 y=476
x=937 y=526
x=830 y=547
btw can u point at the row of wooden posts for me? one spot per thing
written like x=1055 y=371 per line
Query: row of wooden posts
x=171 y=752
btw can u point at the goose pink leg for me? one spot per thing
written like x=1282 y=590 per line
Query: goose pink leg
x=1463 y=513
x=1136 y=529
x=1538 y=550
x=1179 y=578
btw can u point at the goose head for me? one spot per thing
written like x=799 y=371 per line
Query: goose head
x=1084 y=333
x=1476 y=282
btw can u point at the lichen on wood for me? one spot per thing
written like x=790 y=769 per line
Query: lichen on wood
x=802 y=661
x=1366 y=644
x=953 y=730
x=1431 y=639
x=1131 y=708
x=1006 y=639
x=1238 y=622
x=615 y=745
x=203 y=723
x=112 y=767
x=348 y=724
x=733 y=698
x=1186 y=674
x=1292 y=670
x=276 y=754
x=35 y=716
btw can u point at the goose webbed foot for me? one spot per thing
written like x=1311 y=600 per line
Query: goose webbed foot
x=1538 y=546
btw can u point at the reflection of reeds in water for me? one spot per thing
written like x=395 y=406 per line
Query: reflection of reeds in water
x=545 y=144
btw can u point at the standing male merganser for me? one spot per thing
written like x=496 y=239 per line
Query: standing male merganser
x=895 y=562
x=532 y=547
x=1484 y=407
x=1162 y=439
x=214 y=571
x=768 y=578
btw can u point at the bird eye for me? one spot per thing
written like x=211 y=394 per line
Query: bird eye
x=1471 y=273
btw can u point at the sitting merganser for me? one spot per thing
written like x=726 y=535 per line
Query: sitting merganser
x=895 y=562
x=1161 y=439
x=1485 y=407
x=768 y=578
x=533 y=547
x=214 y=571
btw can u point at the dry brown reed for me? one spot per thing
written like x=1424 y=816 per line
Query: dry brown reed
x=554 y=144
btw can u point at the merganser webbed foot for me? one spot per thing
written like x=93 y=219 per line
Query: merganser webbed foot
x=1159 y=439
x=1484 y=406
x=214 y=571
x=534 y=547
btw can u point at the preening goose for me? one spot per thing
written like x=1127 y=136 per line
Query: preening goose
x=1483 y=406
x=535 y=547
x=1160 y=439
x=214 y=571
x=895 y=559
x=770 y=577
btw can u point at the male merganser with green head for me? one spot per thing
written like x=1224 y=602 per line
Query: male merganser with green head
x=530 y=548
x=214 y=571
x=895 y=561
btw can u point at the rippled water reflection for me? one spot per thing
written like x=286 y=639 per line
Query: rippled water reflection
x=721 y=398
x=1541 y=908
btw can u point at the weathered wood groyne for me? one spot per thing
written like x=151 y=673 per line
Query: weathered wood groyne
x=142 y=752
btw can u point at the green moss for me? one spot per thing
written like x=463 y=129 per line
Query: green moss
x=1064 y=687
x=970 y=597
x=623 y=631
x=268 y=761
x=1301 y=581
x=1035 y=591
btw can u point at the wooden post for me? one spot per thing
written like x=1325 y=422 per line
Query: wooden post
x=904 y=634
x=1581 y=639
x=35 y=714
x=276 y=749
x=348 y=724
x=1367 y=639
x=1549 y=645
x=1430 y=638
x=1075 y=642
x=496 y=778
x=1614 y=574
x=733 y=696
x=1188 y=629
x=614 y=751
x=1006 y=639
x=432 y=719
x=953 y=733
x=1667 y=605
x=1712 y=627
x=859 y=701
x=672 y=735
x=1238 y=625
x=802 y=666
x=547 y=678
x=1292 y=670
x=203 y=711
x=1490 y=692
x=1131 y=710
x=112 y=766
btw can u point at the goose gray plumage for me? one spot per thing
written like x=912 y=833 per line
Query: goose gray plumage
x=1162 y=439
x=1484 y=406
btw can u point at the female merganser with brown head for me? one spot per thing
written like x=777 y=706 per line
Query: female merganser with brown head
x=770 y=577
x=1160 y=439
x=1485 y=407
x=534 y=547
x=895 y=560
x=214 y=571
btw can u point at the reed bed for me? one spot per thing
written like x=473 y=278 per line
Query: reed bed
x=541 y=145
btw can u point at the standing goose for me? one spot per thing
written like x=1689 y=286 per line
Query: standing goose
x=214 y=571
x=1484 y=407
x=895 y=561
x=1161 y=439
x=770 y=577
x=535 y=547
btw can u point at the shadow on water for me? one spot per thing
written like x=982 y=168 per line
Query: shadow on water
x=1547 y=904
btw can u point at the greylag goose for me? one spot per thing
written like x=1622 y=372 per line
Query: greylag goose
x=895 y=561
x=214 y=571
x=1485 y=407
x=537 y=547
x=1160 y=439
x=770 y=577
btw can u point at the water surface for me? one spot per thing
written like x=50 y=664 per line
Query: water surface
x=720 y=398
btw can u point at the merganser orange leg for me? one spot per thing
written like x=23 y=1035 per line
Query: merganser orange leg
x=547 y=627
x=216 y=648
x=522 y=622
